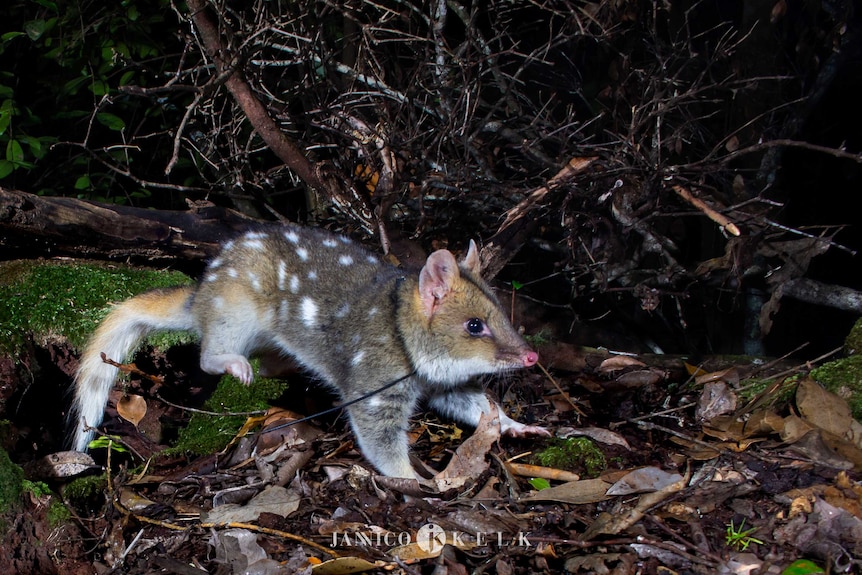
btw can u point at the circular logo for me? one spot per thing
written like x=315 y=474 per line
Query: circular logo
x=431 y=538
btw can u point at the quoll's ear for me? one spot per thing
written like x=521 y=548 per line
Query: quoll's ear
x=471 y=261
x=436 y=279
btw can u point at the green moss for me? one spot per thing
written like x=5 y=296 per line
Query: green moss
x=57 y=512
x=11 y=479
x=574 y=454
x=80 y=490
x=37 y=488
x=853 y=343
x=751 y=388
x=48 y=299
x=538 y=339
x=843 y=377
x=209 y=434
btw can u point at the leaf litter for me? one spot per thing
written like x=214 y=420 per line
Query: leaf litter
x=701 y=476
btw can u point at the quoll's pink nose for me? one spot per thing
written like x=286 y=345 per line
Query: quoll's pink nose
x=531 y=358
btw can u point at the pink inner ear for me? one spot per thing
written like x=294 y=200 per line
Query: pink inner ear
x=436 y=279
x=471 y=260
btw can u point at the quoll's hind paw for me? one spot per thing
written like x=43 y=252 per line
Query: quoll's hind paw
x=521 y=430
x=242 y=371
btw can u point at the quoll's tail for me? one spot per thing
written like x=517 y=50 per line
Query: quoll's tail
x=117 y=337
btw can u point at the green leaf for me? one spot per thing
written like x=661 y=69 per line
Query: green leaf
x=82 y=183
x=14 y=152
x=47 y=4
x=35 y=29
x=6 y=168
x=516 y=285
x=5 y=118
x=126 y=78
x=35 y=145
x=99 y=88
x=802 y=567
x=107 y=441
x=111 y=121
x=539 y=483
x=10 y=36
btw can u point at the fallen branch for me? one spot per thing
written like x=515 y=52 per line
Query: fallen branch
x=718 y=218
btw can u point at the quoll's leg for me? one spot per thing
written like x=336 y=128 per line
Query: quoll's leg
x=467 y=404
x=380 y=424
x=226 y=342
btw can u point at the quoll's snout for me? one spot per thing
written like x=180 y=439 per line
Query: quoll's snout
x=530 y=358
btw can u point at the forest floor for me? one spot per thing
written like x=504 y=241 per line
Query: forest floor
x=656 y=466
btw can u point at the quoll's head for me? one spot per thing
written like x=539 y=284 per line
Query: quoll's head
x=468 y=332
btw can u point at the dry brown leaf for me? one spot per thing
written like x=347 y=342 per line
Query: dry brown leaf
x=644 y=479
x=639 y=378
x=577 y=492
x=469 y=460
x=132 y=408
x=618 y=362
x=823 y=409
x=596 y=433
x=794 y=429
x=729 y=375
x=694 y=370
x=715 y=400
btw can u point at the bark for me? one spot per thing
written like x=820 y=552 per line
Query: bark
x=819 y=293
x=36 y=226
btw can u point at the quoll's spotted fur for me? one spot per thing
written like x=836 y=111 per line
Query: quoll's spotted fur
x=342 y=313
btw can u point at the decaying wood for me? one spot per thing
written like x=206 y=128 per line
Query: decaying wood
x=33 y=226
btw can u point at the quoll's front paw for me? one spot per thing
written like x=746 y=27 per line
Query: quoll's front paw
x=512 y=428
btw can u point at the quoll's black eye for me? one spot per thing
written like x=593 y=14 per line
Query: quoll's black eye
x=475 y=326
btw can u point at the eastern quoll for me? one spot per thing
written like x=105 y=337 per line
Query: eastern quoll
x=355 y=321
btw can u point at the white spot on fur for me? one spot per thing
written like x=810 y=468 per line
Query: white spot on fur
x=308 y=312
x=253 y=244
x=228 y=246
x=255 y=235
x=255 y=281
x=302 y=253
x=357 y=357
x=344 y=239
x=312 y=275
x=216 y=263
x=372 y=312
x=283 y=309
x=371 y=259
x=211 y=277
x=343 y=310
x=282 y=274
x=292 y=237
x=345 y=260
x=232 y=273
x=330 y=242
x=218 y=302
x=294 y=284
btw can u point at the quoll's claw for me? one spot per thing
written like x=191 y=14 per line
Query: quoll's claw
x=241 y=370
x=512 y=428
x=525 y=430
